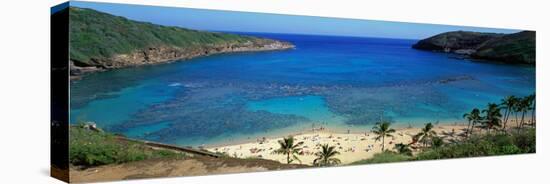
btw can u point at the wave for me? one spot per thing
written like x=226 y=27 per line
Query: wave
x=175 y=84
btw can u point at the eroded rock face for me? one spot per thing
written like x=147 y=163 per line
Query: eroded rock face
x=164 y=54
x=516 y=48
x=456 y=40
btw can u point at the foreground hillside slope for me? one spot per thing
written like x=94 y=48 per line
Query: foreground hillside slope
x=192 y=166
x=96 y=155
x=515 y=48
x=102 y=41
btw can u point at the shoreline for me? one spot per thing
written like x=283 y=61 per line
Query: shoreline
x=169 y=54
x=306 y=129
x=352 y=146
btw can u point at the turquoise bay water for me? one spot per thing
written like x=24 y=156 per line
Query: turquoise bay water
x=342 y=83
x=313 y=108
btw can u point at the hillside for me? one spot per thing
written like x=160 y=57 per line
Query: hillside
x=513 y=48
x=455 y=40
x=96 y=155
x=103 y=41
x=192 y=166
x=516 y=48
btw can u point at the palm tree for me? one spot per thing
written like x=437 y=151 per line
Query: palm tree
x=426 y=134
x=532 y=106
x=469 y=117
x=325 y=157
x=517 y=108
x=475 y=116
x=508 y=103
x=288 y=148
x=524 y=106
x=492 y=117
x=403 y=149
x=383 y=130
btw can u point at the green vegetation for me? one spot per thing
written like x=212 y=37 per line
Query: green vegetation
x=474 y=118
x=474 y=146
x=383 y=130
x=426 y=135
x=325 y=157
x=484 y=143
x=515 y=105
x=508 y=104
x=88 y=147
x=515 y=48
x=524 y=105
x=92 y=147
x=95 y=36
x=492 y=117
x=289 y=148
x=404 y=149
x=384 y=157
x=512 y=48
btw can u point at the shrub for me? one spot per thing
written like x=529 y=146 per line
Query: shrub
x=91 y=148
x=484 y=145
x=437 y=142
x=526 y=140
x=384 y=157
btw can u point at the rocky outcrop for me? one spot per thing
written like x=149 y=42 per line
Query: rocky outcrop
x=453 y=41
x=519 y=48
x=165 y=54
x=516 y=48
x=101 y=41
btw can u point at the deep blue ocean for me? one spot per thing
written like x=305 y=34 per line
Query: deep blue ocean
x=341 y=83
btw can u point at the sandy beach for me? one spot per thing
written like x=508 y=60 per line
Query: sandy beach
x=352 y=146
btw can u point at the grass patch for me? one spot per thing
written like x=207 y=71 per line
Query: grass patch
x=384 y=157
x=92 y=148
x=485 y=145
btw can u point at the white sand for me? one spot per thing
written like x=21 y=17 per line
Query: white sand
x=352 y=147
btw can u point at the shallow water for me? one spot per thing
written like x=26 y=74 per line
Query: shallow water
x=336 y=82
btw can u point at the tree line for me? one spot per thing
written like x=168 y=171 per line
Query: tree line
x=491 y=119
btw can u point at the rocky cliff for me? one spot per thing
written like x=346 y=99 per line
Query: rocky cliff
x=516 y=48
x=100 y=41
x=164 y=54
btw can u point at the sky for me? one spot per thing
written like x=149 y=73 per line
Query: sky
x=232 y=21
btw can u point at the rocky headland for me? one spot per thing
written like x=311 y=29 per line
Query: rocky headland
x=100 y=41
x=515 y=48
x=165 y=54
